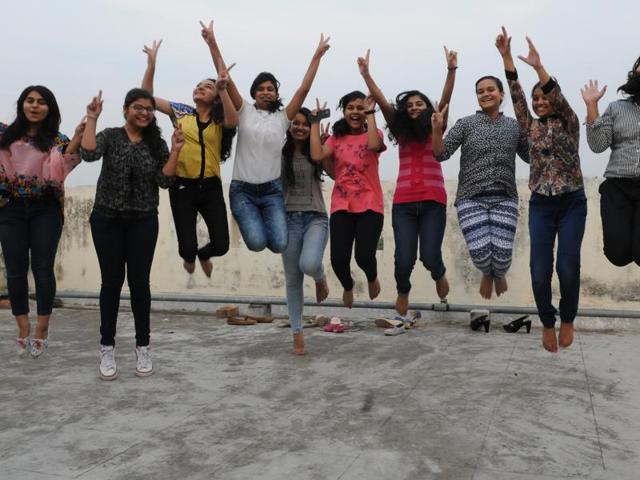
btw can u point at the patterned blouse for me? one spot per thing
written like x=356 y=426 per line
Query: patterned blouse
x=130 y=176
x=488 y=154
x=27 y=172
x=553 y=141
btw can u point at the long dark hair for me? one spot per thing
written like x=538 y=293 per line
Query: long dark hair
x=631 y=88
x=217 y=116
x=289 y=148
x=151 y=134
x=48 y=129
x=341 y=127
x=403 y=128
x=267 y=77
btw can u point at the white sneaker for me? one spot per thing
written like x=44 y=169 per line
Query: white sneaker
x=21 y=346
x=144 y=367
x=107 y=369
x=38 y=346
x=393 y=331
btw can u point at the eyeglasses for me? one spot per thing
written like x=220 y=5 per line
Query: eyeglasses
x=140 y=109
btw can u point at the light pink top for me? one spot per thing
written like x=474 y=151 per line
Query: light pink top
x=357 y=188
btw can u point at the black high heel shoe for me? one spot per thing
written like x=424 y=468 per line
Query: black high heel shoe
x=517 y=324
x=481 y=321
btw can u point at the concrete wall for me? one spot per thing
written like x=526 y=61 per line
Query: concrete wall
x=242 y=272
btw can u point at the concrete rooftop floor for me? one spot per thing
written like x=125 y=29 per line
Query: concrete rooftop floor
x=232 y=403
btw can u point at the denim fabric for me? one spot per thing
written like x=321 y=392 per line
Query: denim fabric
x=30 y=226
x=308 y=234
x=565 y=216
x=424 y=220
x=260 y=213
x=124 y=243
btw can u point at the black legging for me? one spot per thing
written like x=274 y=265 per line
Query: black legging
x=189 y=197
x=620 y=212
x=365 y=228
x=120 y=242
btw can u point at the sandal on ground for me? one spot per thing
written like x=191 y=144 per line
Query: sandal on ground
x=240 y=321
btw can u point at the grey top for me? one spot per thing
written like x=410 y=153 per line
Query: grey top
x=130 y=176
x=488 y=154
x=618 y=128
x=305 y=195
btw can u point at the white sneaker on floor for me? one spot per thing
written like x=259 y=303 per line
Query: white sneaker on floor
x=144 y=367
x=107 y=363
x=393 y=331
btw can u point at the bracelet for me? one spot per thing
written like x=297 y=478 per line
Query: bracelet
x=452 y=68
x=369 y=112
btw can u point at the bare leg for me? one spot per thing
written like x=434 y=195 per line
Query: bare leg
x=207 y=267
x=347 y=298
x=24 y=327
x=566 y=334
x=486 y=286
x=442 y=287
x=402 y=304
x=374 y=289
x=42 y=327
x=298 y=343
x=189 y=267
x=549 y=340
x=322 y=290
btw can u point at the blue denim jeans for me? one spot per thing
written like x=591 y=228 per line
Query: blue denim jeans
x=563 y=216
x=426 y=221
x=260 y=213
x=308 y=233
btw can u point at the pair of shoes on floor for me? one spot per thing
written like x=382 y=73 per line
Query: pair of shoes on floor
x=517 y=324
x=335 y=325
x=107 y=362
x=400 y=325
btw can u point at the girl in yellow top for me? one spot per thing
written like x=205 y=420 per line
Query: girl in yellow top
x=208 y=130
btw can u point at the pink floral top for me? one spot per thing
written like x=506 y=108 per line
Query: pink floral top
x=25 y=171
x=357 y=188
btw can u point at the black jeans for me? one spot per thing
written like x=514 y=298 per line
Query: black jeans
x=121 y=242
x=620 y=212
x=188 y=198
x=363 y=228
x=425 y=220
x=30 y=225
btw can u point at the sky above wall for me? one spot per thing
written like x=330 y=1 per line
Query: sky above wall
x=78 y=47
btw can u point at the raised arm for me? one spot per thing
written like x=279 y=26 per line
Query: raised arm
x=147 y=80
x=519 y=99
x=231 y=117
x=218 y=62
x=74 y=144
x=599 y=128
x=301 y=93
x=447 y=90
x=374 y=142
x=591 y=95
x=319 y=151
x=437 y=130
x=385 y=107
x=94 y=109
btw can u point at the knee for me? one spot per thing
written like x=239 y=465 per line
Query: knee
x=310 y=266
x=278 y=243
x=255 y=243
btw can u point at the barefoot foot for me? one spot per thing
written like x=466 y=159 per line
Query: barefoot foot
x=347 y=298
x=442 y=287
x=486 y=286
x=322 y=290
x=402 y=304
x=189 y=267
x=298 y=344
x=565 y=338
x=549 y=340
x=374 y=289
x=501 y=285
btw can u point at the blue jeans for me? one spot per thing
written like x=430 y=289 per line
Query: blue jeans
x=426 y=221
x=260 y=213
x=308 y=233
x=565 y=216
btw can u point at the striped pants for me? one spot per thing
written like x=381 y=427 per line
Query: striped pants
x=488 y=225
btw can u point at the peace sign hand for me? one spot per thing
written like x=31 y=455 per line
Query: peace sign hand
x=363 y=63
x=324 y=132
x=370 y=102
x=533 y=58
x=503 y=43
x=323 y=46
x=438 y=118
x=452 y=58
x=223 y=78
x=177 y=139
x=313 y=116
x=207 y=33
x=591 y=93
x=152 y=51
x=94 y=109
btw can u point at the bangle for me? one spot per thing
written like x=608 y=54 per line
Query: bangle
x=452 y=68
x=369 y=112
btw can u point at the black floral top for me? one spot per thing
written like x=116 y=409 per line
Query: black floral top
x=553 y=141
x=130 y=176
x=488 y=154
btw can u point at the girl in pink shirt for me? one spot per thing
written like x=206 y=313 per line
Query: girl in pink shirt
x=35 y=159
x=351 y=155
x=420 y=199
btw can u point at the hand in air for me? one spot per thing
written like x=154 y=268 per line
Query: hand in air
x=94 y=109
x=207 y=33
x=363 y=63
x=324 y=132
x=591 y=93
x=452 y=58
x=152 y=51
x=533 y=58
x=223 y=78
x=503 y=43
x=438 y=117
x=323 y=46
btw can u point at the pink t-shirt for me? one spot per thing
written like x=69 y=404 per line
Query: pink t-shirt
x=420 y=176
x=357 y=188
